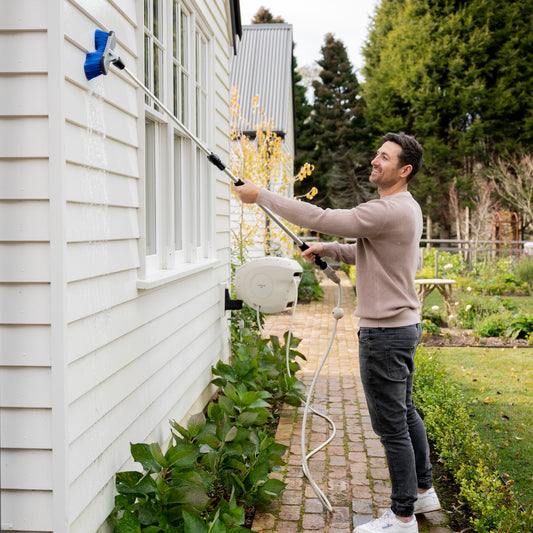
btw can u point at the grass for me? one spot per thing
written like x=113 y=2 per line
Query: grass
x=498 y=387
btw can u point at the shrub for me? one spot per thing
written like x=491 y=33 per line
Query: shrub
x=524 y=272
x=470 y=461
x=521 y=326
x=450 y=265
x=495 y=277
x=430 y=327
x=473 y=308
x=221 y=462
x=493 y=325
x=309 y=289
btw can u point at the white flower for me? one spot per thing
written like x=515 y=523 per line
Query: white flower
x=468 y=307
x=451 y=317
x=435 y=308
x=448 y=266
x=469 y=288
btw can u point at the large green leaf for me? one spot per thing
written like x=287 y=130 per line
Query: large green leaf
x=142 y=453
x=134 y=483
x=182 y=454
x=273 y=486
x=194 y=523
x=186 y=495
x=129 y=523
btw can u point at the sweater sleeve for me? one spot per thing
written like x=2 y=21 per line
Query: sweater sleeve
x=340 y=252
x=365 y=220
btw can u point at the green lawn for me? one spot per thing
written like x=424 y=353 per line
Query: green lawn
x=498 y=387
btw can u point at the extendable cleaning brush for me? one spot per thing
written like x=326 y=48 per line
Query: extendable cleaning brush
x=98 y=63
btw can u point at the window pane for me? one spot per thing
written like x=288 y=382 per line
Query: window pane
x=156 y=71
x=156 y=19
x=147 y=68
x=183 y=96
x=150 y=188
x=175 y=85
x=197 y=57
x=183 y=39
x=175 y=30
x=197 y=113
x=203 y=65
x=198 y=199
x=178 y=194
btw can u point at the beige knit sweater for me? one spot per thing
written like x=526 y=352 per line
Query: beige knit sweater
x=388 y=233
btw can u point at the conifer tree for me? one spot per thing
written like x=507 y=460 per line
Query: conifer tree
x=340 y=152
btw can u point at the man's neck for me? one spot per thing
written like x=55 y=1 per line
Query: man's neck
x=392 y=190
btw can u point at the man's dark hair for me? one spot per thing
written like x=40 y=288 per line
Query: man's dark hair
x=412 y=151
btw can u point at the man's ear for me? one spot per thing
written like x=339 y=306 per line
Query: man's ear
x=406 y=170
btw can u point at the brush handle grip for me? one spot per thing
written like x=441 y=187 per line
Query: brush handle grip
x=215 y=159
x=318 y=260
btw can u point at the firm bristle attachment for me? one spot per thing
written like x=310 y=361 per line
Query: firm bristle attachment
x=98 y=61
x=93 y=61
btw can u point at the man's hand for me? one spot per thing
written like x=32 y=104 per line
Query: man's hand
x=315 y=249
x=248 y=192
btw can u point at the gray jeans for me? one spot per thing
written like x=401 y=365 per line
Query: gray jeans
x=386 y=360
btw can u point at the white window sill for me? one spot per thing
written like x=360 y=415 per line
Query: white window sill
x=158 y=278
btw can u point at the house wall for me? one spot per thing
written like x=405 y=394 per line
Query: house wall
x=92 y=358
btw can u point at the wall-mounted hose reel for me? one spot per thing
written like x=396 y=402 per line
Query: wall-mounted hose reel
x=268 y=284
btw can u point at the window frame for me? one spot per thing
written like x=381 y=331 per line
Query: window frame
x=192 y=174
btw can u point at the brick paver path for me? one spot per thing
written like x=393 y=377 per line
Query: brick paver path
x=352 y=470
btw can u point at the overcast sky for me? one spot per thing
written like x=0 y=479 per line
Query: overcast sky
x=348 y=20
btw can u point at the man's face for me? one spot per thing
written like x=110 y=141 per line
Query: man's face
x=386 y=169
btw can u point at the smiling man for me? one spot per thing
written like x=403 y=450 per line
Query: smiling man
x=388 y=232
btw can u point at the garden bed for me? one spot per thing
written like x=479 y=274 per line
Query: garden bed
x=464 y=338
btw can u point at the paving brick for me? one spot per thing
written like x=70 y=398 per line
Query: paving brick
x=263 y=521
x=313 y=522
x=289 y=512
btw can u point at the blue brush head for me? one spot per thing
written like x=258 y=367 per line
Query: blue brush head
x=93 y=63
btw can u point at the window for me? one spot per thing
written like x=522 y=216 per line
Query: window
x=179 y=189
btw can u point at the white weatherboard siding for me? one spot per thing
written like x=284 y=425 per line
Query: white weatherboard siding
x=91 y=362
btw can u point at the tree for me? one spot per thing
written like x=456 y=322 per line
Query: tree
x=457 y=75
x=340 y=149
x=264 y=16
x=513 y=179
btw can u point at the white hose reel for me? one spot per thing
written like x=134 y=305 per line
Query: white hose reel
x=268 y=284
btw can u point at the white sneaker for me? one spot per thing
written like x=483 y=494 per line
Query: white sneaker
x=427 y=501
x=388 y=523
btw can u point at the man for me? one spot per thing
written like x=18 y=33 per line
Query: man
x=388 y=232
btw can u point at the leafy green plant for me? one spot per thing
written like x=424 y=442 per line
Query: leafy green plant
x=471 y=461
x=449 y=265
x=430 y=327
x=521 y=326
x=492 y=325
x=524 y=272
x=262 y=364
x=309 y=289
x=493 y=278
x=472 y=308
x=220 y=464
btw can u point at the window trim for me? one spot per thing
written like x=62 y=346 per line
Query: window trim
x=197 y=252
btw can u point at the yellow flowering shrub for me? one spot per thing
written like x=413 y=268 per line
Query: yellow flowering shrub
x=264 y=161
